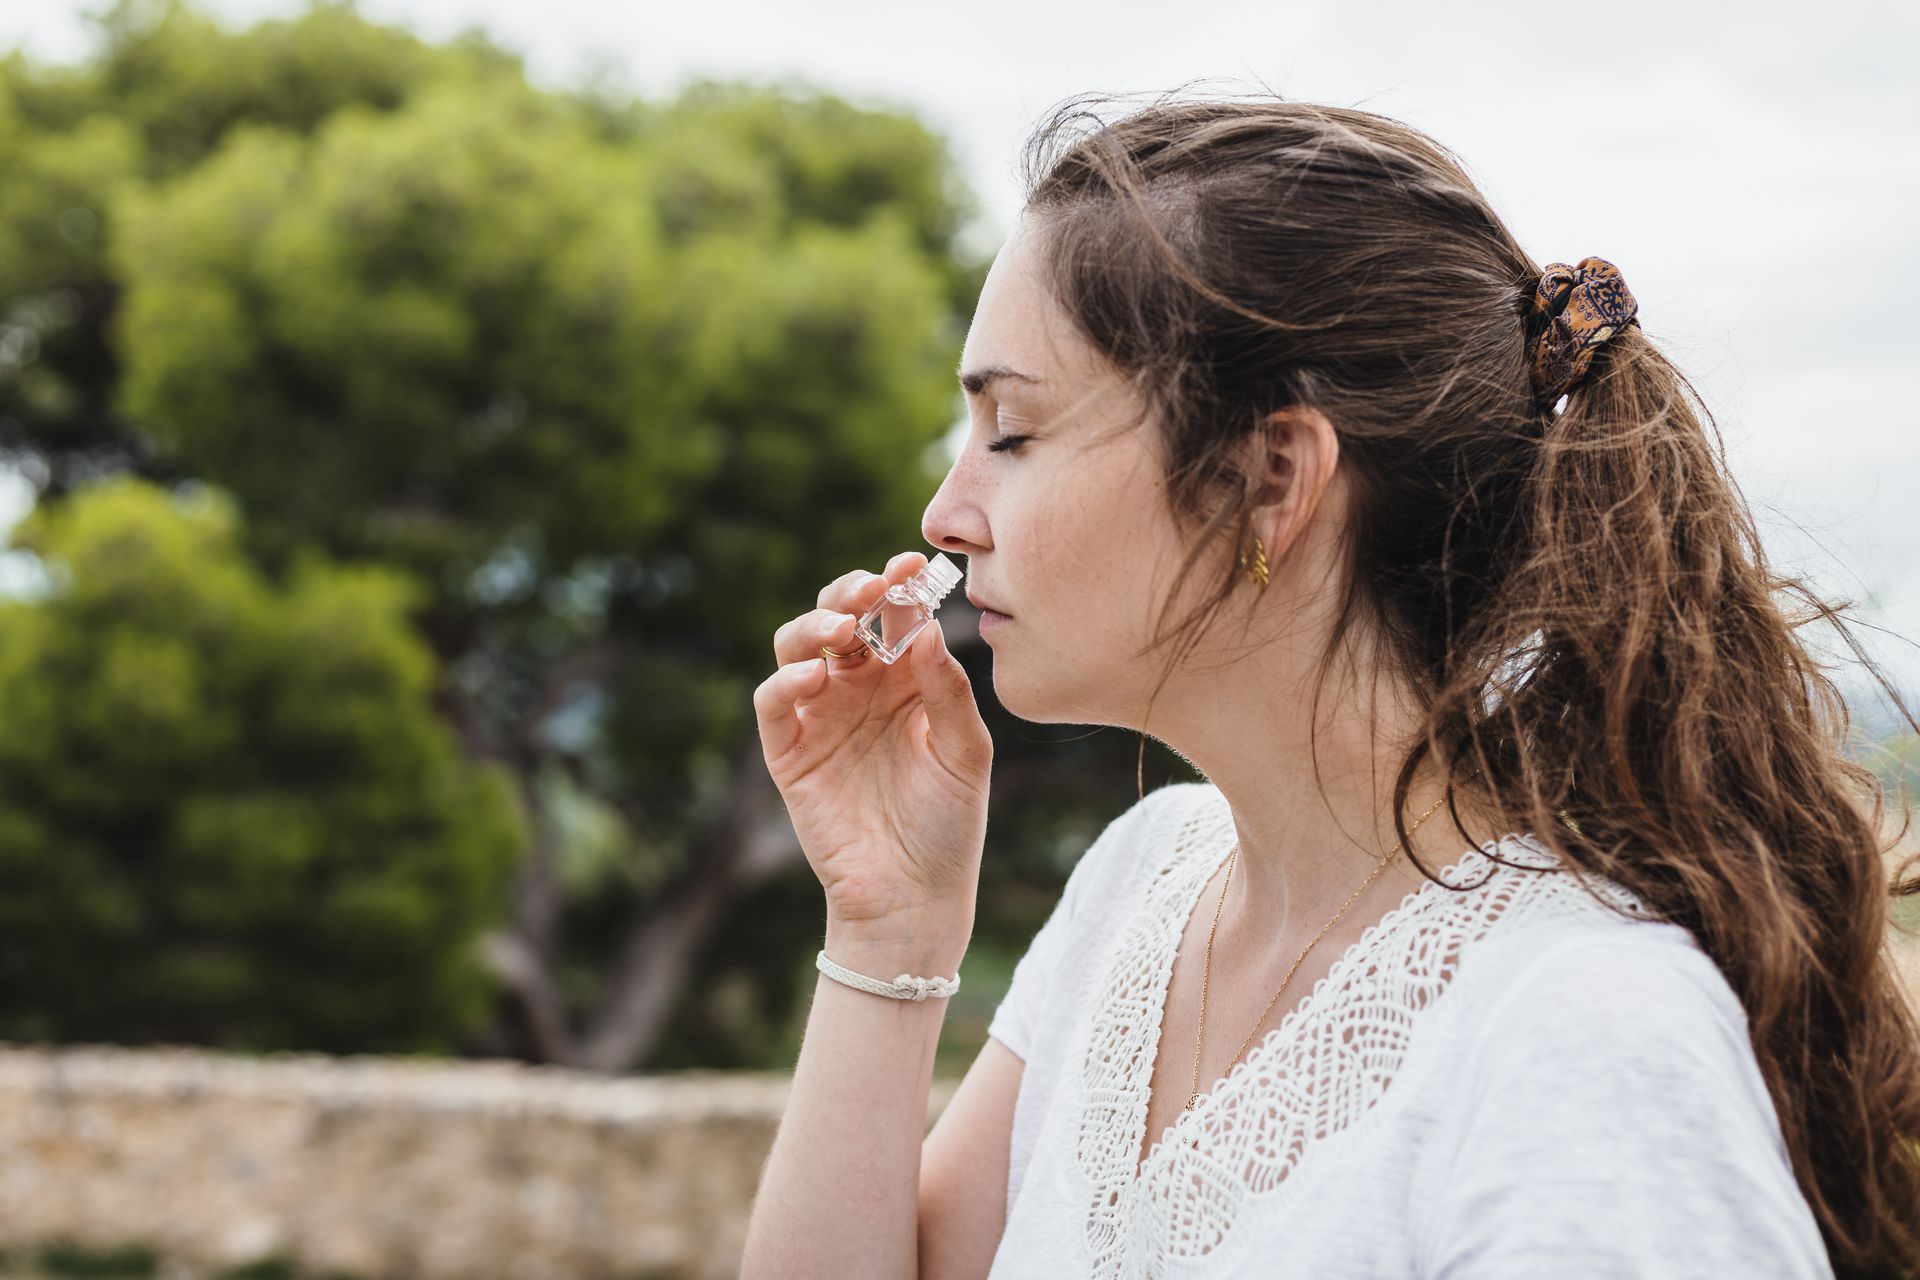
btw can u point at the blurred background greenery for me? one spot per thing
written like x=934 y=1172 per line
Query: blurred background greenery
x=421 y=462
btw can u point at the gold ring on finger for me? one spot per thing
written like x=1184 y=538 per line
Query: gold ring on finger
x=855 y=654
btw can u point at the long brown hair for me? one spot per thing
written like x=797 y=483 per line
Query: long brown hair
x=1577 y=591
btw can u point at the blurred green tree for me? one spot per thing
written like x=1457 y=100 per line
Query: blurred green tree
x=461 y=338
x=166 y=86
x=619 y=385
x=228 y=811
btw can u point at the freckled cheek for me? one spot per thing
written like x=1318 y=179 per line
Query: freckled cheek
x=1086 y=541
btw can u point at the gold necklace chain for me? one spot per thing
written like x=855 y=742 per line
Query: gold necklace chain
x=1193 y=1095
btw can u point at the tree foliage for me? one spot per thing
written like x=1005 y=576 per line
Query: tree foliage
x=228 y=811
x=614 y=384
x=165 y=88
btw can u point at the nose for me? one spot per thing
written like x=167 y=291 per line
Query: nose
x=953 y=520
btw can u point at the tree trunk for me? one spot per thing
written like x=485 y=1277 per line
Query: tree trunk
x=753 y=842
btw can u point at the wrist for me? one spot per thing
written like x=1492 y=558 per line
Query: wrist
x=924 y=949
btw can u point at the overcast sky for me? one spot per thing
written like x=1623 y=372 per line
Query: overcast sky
x=1754 y=172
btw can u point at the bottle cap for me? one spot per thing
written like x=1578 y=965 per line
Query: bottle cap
x=940 y=575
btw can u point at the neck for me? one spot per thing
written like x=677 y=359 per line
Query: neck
x=1307 y=843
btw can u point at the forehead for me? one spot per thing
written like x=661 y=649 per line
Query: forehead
x=1018 y=327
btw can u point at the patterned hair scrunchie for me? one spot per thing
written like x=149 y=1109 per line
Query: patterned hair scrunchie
x=1574 y=309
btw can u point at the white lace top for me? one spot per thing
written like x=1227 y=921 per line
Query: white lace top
x=1511 y=1081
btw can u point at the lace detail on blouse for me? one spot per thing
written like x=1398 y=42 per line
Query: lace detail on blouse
x=1319 y=1071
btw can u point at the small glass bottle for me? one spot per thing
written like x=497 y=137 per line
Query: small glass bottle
x=898 y=615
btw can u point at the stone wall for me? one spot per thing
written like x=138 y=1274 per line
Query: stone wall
x=384 y=1167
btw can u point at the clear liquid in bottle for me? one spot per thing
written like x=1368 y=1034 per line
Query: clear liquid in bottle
x=907 y=607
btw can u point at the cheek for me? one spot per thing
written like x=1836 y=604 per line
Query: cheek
x=1098 y=551
x=1088 y=532
x=1108 y=509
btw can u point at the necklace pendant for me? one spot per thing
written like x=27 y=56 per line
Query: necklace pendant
x=1190 y=1102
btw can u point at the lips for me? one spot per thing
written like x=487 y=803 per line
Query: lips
x=984 y=607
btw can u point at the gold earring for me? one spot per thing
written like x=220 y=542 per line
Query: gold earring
x=1255 y=560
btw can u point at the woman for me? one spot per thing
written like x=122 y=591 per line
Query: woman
x=1284 y=451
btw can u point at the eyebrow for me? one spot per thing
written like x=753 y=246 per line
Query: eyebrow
x=978 y=380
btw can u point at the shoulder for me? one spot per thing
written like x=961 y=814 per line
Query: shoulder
x=1545 y=938
x=1569 y=972
x=1611 y=1109
x=1180 y=805
x=1180 y=800
x=1160 y=826
x=1611 y=1118
x=1621 y=1022
x=1616 y=997
x=1575 y=995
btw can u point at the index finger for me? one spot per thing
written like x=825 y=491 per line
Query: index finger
x=851 y=592
x=841 y=589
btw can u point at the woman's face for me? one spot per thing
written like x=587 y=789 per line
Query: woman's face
x=1065 y=530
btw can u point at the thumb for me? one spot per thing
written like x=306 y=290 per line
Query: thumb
x=952 y=718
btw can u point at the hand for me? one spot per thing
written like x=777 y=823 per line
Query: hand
x=884 y=768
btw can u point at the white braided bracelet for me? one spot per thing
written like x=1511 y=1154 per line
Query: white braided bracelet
x=904 y=987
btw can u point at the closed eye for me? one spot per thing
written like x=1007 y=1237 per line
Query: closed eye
x=1002 y=444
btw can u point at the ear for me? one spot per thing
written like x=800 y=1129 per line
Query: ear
x=1294 y=468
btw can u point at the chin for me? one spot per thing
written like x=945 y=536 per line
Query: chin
x=1039 y=703
x=1016 y=697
